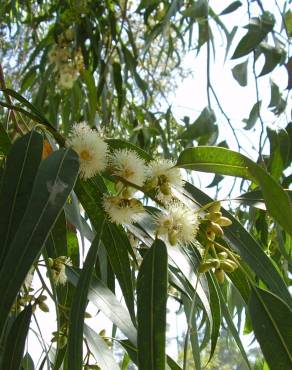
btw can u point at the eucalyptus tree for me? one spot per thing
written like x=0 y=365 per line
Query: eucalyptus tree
x=97 y=199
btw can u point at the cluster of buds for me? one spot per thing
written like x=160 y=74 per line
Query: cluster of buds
x=60 y=336
x=223 y=261
x=215 y=221
x=30 y=299
x=67 y=59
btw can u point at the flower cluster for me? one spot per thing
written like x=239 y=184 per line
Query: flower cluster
x=178 y=224
x=67 y=59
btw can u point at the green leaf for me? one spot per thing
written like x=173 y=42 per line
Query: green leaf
x=15 y=343
x=231 y=327
x=253 y=116
x=258 y=29
x=54 y=181
x=248 y=249
x=277 y=103
x=91 y=95
x=202 y=129
x=239 y=72
x=117 y=251
x=232 y=7
x=228 y=162
x=27 y=362
x=21 y=167
x=100 y=350
x=5 y=142
x=273 y=57
x=272 y=324
x=151 y=308
x=76 y=321
x=279 y=151
x=104 y=299
x=288 y=22
x=118 y=82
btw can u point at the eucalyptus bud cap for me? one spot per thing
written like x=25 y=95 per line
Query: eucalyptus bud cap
x=216 y=229
x=224 y=221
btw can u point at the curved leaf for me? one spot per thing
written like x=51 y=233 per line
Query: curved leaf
x=21 y=167
x=272 y=323
x=227 y=162
x=248 y=249
x=15 y=343
x=151 y=308
x=100 y=350
x=104 y=299
x=76 y=321
x=54 y=181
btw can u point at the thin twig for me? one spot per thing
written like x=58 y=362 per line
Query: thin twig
x=8 y=100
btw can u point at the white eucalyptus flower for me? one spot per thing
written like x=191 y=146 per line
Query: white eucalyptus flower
x=90 y=147
x=162 y=175
x=128 y=165
x=121 y=210
x=178 y=223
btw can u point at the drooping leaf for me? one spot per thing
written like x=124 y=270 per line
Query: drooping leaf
x=227 y=162
x=100 y=350
x=118 y=253
x=4 y=141
x=248 y=249
x=104 y=299
x=277 y=103
x=232 y=7
x=151 y=308
x=258 y=29
x=272 y=324
x=21 y=167
x=288 y=21
x=15 y=343
x=253 y=116
x=203 y=129
x=77 y=312
x=273 y=57
x=279 y=150
x=239 y=72
x=54 y=181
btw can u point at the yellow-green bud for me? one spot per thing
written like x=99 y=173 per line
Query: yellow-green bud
x=165 y=188
x=215 y=207
x=222 y=255
x=208 y=265
x=224 y=221
x=226 y=266
x=172 y=237
x=220 y=275
x=214 y=216
x=44 y=307
x=216 y=229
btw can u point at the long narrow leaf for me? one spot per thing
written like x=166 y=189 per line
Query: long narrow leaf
x=21 y=167
x=76 y=322
x=151 y=308
x=54 y=181
x=227 y=162
x=272 y=322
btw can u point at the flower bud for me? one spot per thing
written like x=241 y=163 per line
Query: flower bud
x=44 y=307
x=165 y=188
x=226 y=266
x=222 y=255
x=219 y=275
x=215 y=207
x=216 y=228
x=224 y=221
x=213 y=216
